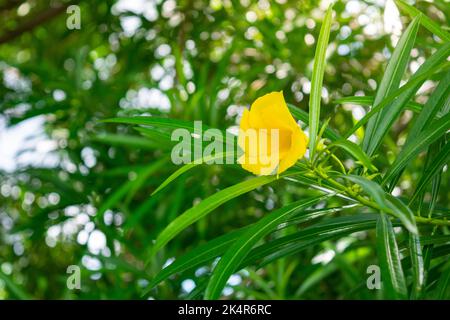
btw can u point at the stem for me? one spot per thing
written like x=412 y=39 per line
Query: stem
x=373 y=205
x=433 y=221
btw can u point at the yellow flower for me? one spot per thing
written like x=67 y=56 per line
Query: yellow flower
x=269 y=137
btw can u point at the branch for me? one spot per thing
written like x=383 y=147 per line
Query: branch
x=41 y=18
x=10 y=5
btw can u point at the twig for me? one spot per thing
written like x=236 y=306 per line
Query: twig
x=10 y=5
x=38 y=20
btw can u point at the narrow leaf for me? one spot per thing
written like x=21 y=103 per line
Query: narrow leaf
x=317 y=80
x=239 y=250
x=436 y=102
x=393 y=111
x=325 y=230
x=17 y=291
x=417 y=265
x=206 y=206
x=190 y=166
x=371 y=188
x=391 y=78
x=356 y=152
x=170 y=123
x=403 y=212
x=443 y=285
x=125 y=140
x=369 y=100
x=387 y=202
x=152 y=121
x=197 y=256
x=423 y=140
x=304 y=117
x=394 y=284
x=216 y=247
x=435 y=166
x=425 y=21
x=414 y=81
x=129 y=189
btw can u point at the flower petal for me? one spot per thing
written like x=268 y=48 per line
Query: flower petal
x=256 y=167
x=263 y=151
x=271 y=111
x=297 y=151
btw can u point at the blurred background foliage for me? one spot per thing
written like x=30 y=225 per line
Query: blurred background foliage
x=74 y=191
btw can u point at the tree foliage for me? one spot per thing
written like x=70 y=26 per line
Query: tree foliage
x=94 y=186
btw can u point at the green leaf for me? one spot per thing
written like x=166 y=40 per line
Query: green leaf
x=215 y=85
x=443 y=285
x=425 y=21
x=177 y=52
x=317 y=80
x=403 y=212
x=143 y=209
x=170 y=123
x=436 y=102
x=304 y=117
x=217 y=246
x=153 y=121
x=157 y=136
x=125 y=140
x=323 y=272
x=15 y=289
x=206 y=206
x=436 y=182
x=387 y=202
x=435 y=166
x=391 y=80
x=239 y=250
x=129 y=189
x=389 y=114
x=413 y=81
x=369 y=100
x=190 y=166
x=434 y=239
x=371 y=188
x=394 y=284
x=418 y=270
x=197 y=256
x=422 y=141
x=355 y=151
x=330 y=229
x=325 y=230
x=142 y=177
